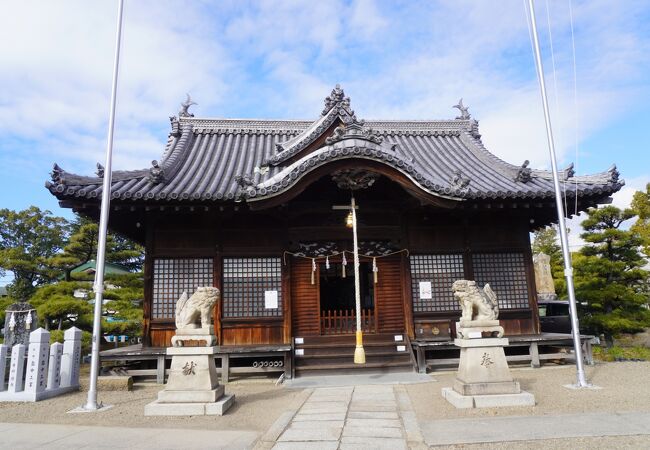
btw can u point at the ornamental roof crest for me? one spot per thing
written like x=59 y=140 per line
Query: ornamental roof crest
x=354 y=130
x=337 y=97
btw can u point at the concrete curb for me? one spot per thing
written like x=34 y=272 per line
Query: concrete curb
x=409 y=420
x=271 y=435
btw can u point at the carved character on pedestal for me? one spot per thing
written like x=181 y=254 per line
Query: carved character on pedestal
x=471 y=298
x=199 y=307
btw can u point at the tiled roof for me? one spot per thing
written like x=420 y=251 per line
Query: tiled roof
x=229 y=159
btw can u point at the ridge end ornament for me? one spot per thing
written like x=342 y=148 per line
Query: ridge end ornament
x=156 y=173
x=464 y=111
x=183 y=112
x=524 y=173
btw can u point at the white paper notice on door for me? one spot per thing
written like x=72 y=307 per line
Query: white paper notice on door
x=425 y=290
x=271 y=299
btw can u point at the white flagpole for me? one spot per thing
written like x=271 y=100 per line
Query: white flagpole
x=568 y=269
x=91 y=403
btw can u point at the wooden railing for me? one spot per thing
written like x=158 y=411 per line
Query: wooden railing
x=344 y=321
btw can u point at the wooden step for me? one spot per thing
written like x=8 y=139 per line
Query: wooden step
x=337 y=353
x=334 y=354
x=347 y=359
x=351 y=345
x=351 y=368
x=348 y=338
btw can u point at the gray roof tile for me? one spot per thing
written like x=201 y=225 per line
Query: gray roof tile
x=224 y=159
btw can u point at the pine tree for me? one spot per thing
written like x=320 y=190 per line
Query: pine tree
x=28 y=239
x=641 y=206
x=124 y=305
x=609 y=274
x=82 y=247
x=58 y=308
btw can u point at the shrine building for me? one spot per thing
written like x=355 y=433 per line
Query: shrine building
x=246 y=206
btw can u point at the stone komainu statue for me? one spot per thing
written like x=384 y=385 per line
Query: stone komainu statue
x=198 y=307
x=471 y=299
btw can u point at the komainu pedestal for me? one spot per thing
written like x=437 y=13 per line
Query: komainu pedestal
x=483 y=379
x=193 y=387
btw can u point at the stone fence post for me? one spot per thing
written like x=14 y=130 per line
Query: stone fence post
x=37 y=360
x=3 y=363
x=71 y=357
x=17 y=368
x=54 y=368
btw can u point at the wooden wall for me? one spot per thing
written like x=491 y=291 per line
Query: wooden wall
x=305 y=299
x=389 y=295
x=217 y=234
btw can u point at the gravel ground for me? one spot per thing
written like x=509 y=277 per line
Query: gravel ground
x=258 y=404
x=626 y=387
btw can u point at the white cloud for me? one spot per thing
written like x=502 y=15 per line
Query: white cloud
x=280 y=59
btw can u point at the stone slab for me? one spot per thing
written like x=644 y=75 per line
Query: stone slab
x=487 y=430
x=174 y=409
x=372 y=432
x=306 y=445
x=302 y=434
x=66 y=437
x=115 y=383
x=494 y=401
x=505 y=387
x=483 y=342
x=373 y=415
x=487 y=401
x=186 y=351
x=326 y=416
x=24 y=396
x=377 y=408
x=206 y=396
x=388 y=423
x=369 y=443
x=220 y=407
x=315 y=424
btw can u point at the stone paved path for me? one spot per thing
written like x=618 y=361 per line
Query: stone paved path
x=359 y=417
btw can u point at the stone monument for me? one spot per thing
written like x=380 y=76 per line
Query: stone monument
x=20 y=320
x=483 y=378
x=544 y=277
x=193 y=388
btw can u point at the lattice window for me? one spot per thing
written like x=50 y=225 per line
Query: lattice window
x=441 y=271
x=506 y=273
x=173 y=276
x=245 y=284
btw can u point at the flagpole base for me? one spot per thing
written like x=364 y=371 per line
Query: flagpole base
x=85 y=409
x=359 y=352
x=577 y=386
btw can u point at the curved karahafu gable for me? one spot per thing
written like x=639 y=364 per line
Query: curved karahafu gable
x=221 y=160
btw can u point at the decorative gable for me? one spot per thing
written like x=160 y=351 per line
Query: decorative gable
x=337 y=112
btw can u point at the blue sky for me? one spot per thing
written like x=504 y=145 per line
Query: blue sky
x=278 y=59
